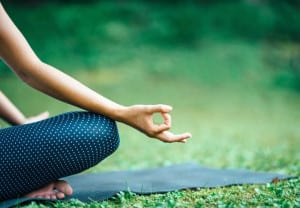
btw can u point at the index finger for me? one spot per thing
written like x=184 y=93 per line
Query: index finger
x=166 y=125
x=167 y=119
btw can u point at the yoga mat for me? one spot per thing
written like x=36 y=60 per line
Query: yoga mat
x=101 y=186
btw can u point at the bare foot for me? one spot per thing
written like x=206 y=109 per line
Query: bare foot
x=54 y=190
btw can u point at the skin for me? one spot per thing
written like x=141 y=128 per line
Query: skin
x=18 y=55
x=10 y=113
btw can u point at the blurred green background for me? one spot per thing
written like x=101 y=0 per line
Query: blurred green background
x=230 y=69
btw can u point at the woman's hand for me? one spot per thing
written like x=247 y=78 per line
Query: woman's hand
x=141 y=118
x=36 y=118
x=11 y=114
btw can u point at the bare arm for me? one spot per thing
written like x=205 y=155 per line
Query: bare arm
x=17 y=53
x=20 y=57
x=10 y=113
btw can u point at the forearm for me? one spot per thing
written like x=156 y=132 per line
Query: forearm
x=17 y=53
x=59 y=85
x=9 y=112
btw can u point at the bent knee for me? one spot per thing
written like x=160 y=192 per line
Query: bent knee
x=93 y=132
x=104 y=134
x=109 y=135
x=95 y=138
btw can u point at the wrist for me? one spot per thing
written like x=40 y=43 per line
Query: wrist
x=119 y=113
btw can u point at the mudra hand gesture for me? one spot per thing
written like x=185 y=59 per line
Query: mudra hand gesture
x=141 y=118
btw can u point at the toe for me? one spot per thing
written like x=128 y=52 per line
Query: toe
x=60 y=195
x=45 y=196
x=64 y=187
x=53 y=196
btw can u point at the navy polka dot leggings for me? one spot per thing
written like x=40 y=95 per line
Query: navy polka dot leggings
x=34 y=155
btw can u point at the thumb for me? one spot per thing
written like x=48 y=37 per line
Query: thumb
x=160 y=108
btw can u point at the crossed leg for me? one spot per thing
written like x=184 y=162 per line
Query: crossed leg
x=40 y=153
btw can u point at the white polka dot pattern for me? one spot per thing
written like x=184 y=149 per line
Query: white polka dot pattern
x=34 y=155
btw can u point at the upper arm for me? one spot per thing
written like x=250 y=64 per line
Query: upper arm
x=14 y=49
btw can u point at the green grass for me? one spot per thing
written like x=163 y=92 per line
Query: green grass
x=242 y=110
x=283 y=194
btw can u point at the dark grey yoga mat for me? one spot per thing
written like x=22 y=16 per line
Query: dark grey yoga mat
x=101 y=186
